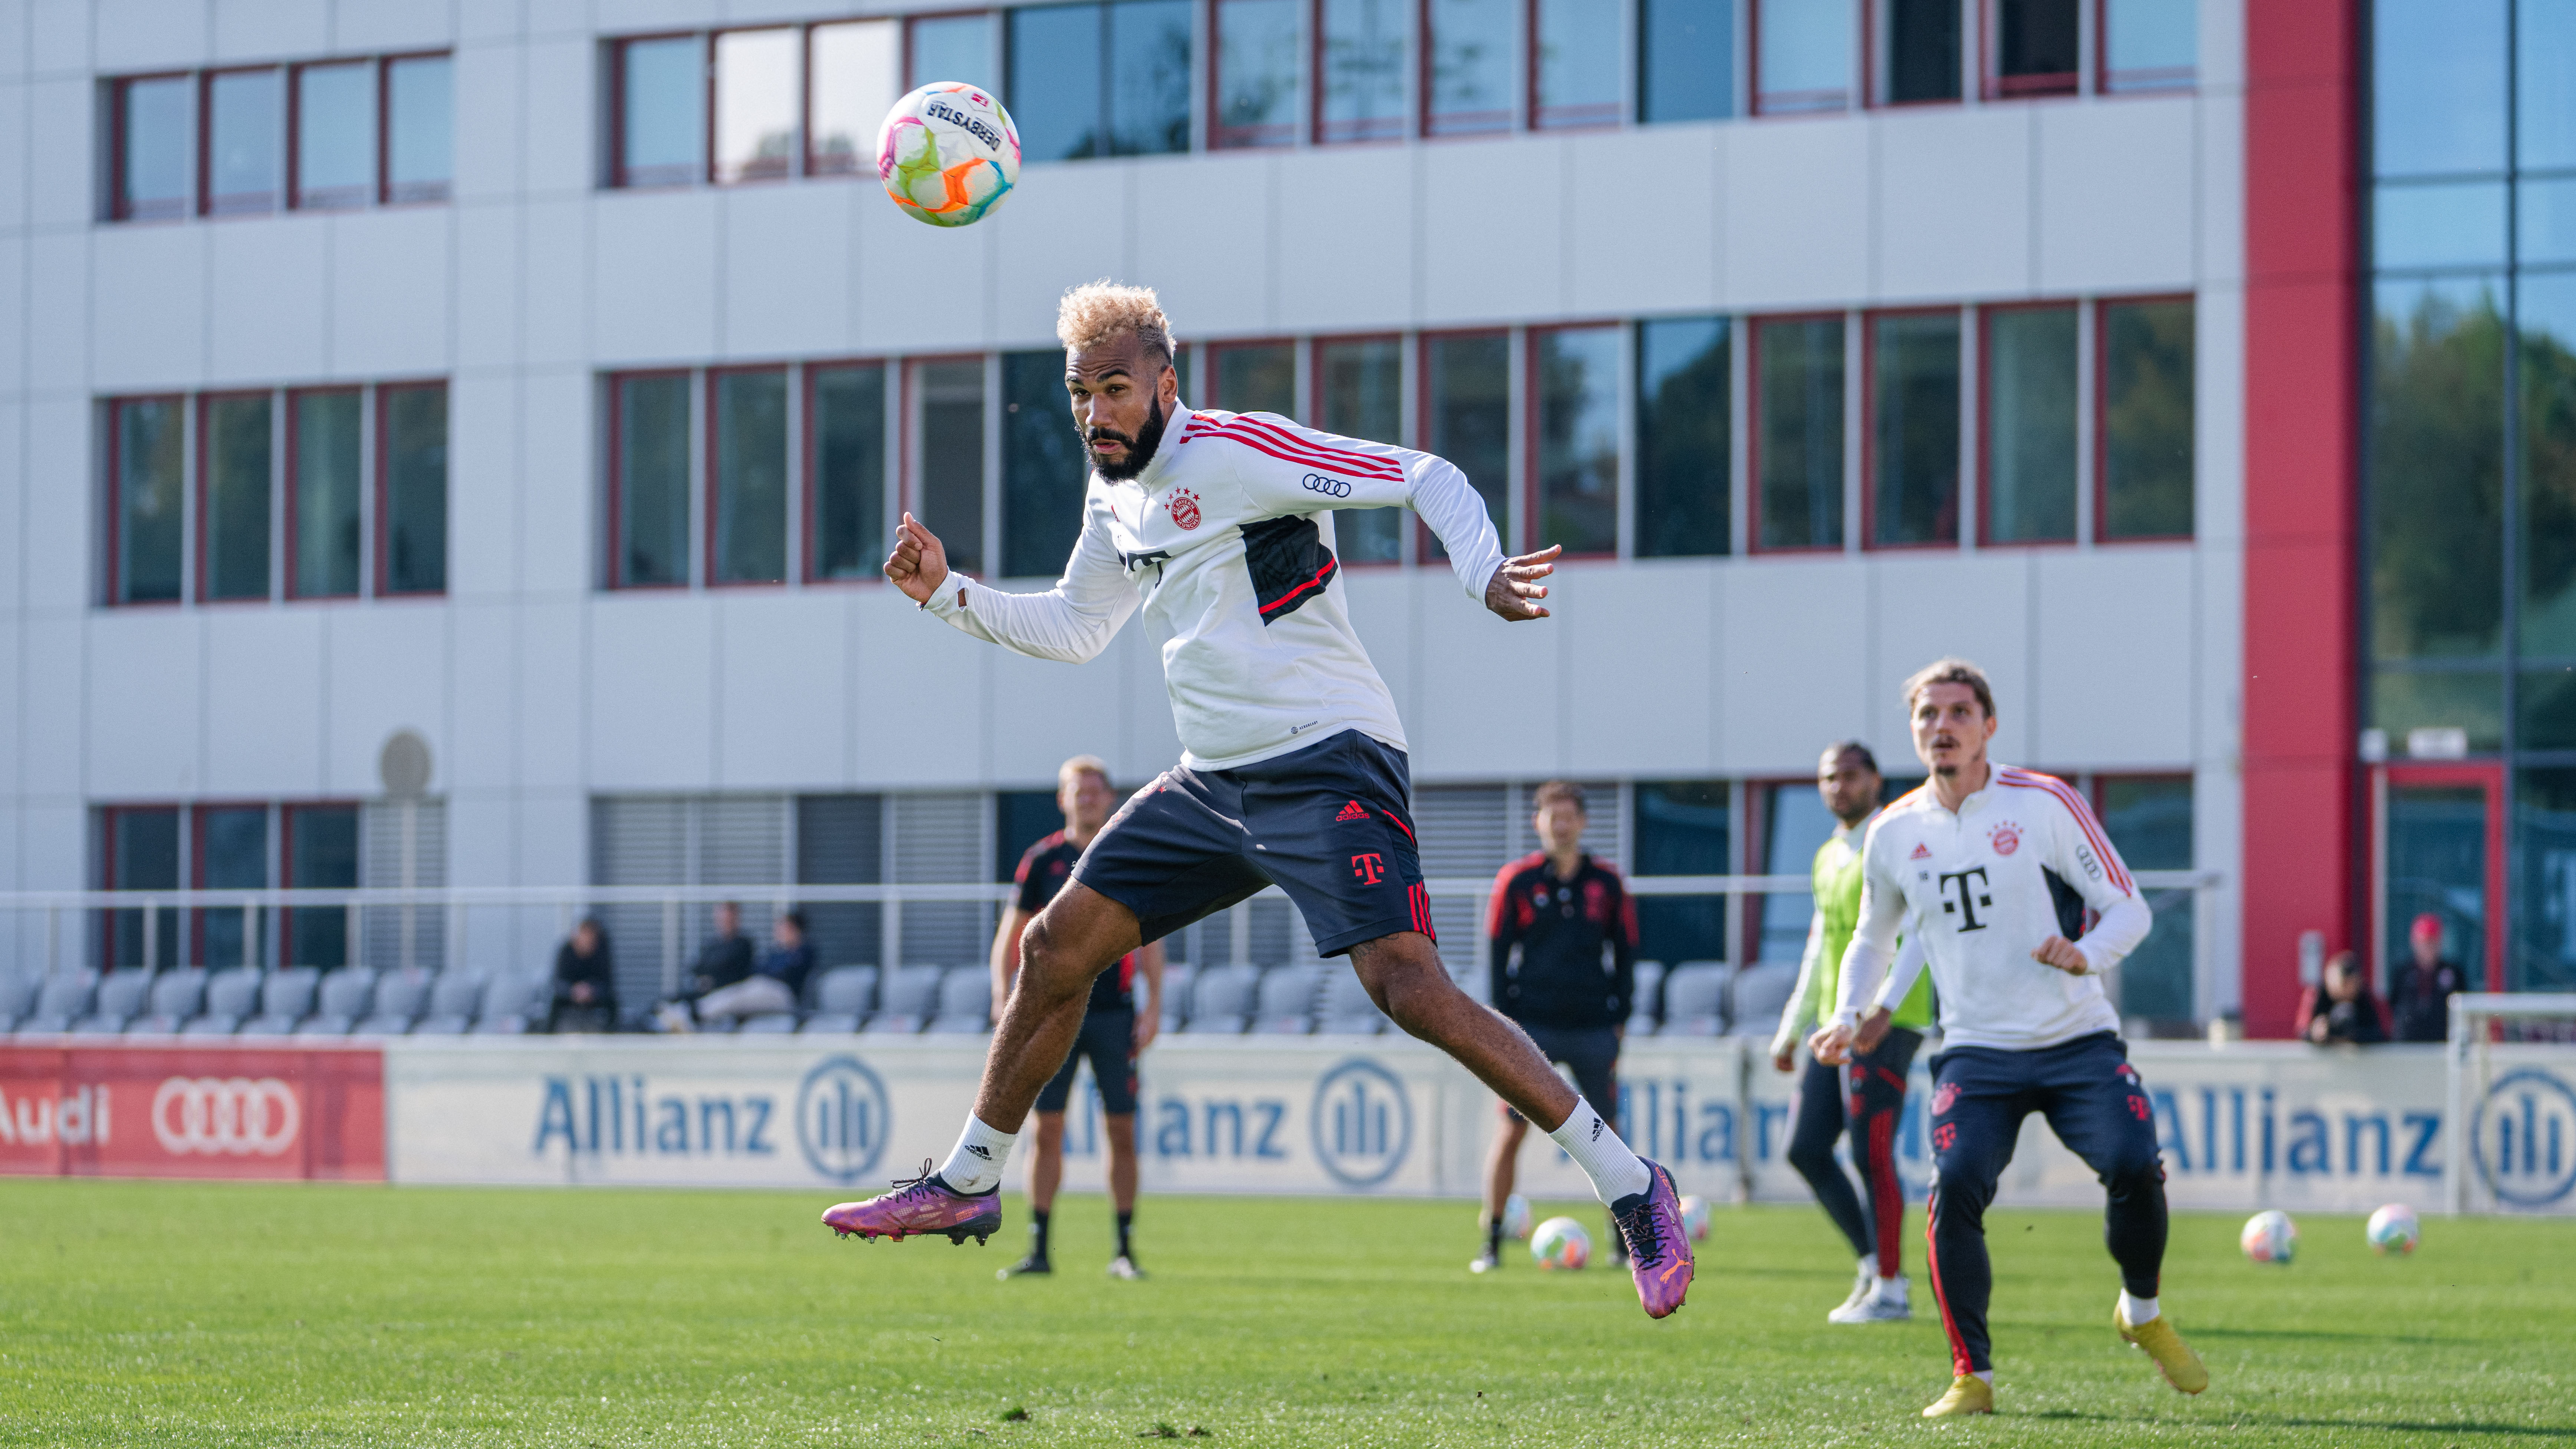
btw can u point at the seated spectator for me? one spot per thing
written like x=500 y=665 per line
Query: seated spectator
x=724 y=960
x=585 y=981
x=2420 y=997
x=2341 y=1009
x=775 y=985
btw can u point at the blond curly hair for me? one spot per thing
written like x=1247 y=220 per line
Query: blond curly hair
x=1095 y=312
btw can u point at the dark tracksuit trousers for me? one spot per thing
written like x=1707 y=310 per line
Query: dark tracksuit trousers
x=2096 y=1105
x=1874 y=1218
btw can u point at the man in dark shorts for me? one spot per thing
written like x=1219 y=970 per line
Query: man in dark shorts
x=1563 y=929
x=1113 y=1033
x=1219 y=528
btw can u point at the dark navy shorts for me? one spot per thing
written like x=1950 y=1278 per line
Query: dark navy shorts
x=1328 y=824
x=1108 y=1039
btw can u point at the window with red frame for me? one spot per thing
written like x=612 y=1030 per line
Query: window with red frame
x=1578 y=61
x=845 y=422
x=2033 y=47
x=747 y=476
x=1919 y=53
x=155 y=148
x=756 y=103
x=1260 y=73
x=648 y=499
x=334 y=135
x=140 y=853
x=1359 y=393
x=853 y=71
x=324 y=526
x=2028 y=438
x=1798 y=433
x=231 y=854
x=1470 y=57
x=321 y=135
x=1467 y=419
x=147 y=514
x=420 y=128
x=319 y=852
x=2149 y=821
x=661 y=126
x=1364 y=69
x=1804 y=54
x=1574 y=417
x=2149 y=45
x=236 y=442
x=1913 y=454
x=411 y=489
x=2146 y=429
x=947 y=456
x=1254 y=377
x=245 y=156
x=964 y=48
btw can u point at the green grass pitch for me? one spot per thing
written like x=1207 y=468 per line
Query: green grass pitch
x=159 y=1314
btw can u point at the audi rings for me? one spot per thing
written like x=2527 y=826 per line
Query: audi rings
x=1331 y=487
x=225 y=1116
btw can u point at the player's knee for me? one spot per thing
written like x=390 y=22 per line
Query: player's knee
x=1811 y=1155
x=1050 y=1134
x=2134 y=1174
x=1962 y=1186
x=1407 y=985
x=1050 y=967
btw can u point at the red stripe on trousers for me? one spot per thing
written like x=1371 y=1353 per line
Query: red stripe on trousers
x=1959 y=1364
x=1889 y=1193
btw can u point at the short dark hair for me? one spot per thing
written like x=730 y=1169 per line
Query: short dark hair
x=1840 y=748
x=795 y=918
x=1952 y=670
x=1555 y=790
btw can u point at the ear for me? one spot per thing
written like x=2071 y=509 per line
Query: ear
x=1168 y=386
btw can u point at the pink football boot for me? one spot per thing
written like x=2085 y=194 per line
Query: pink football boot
x=1659 y=1251
x=920 y=1205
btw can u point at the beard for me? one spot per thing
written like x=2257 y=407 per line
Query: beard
x=1140 y=448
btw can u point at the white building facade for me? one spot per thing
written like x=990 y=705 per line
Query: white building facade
x=539 y=380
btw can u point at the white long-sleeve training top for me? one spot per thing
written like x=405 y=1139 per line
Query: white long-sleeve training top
x=2018 y=863
x=1226 y=540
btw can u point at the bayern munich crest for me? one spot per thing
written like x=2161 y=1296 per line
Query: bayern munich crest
x=2006 y=838
x=1184 y=508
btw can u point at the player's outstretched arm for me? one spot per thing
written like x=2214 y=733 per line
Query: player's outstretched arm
x=919 y=563
x=1514 y=591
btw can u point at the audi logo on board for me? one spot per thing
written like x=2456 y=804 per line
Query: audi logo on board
x=225 y=1116
x=1332 y=487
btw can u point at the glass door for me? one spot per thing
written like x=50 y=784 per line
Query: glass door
x=2440 y=855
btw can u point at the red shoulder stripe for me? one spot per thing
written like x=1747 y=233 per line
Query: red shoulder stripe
x=2083 y=813
x=1305 y=455
x=1354 y=462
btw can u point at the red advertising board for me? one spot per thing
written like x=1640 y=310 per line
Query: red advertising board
x=193 y=1111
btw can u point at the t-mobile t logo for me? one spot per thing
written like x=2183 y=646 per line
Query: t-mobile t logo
x=1964 y=901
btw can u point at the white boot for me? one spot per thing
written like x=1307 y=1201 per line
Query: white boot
x=1885 y=1302
x=1862 y=1282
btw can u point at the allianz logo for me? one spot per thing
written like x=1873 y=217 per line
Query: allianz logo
x=73 y=1119
x=613 y=1115
x=1362 y=1122
x=2523 y=1138
x=2229 y=1131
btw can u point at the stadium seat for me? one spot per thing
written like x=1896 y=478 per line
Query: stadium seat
x=284 y=999
x=842 y=999
x=341 y=1002
x=770 y=1023
x=17 y=999
x=1695 y=999
x=965 y=1002
x=1758 y=993
x=911 y=999
x=514 y=1004
x=1347 y=1010
x=1645 y=1008
x=60 y=1001
x=1176 y=996
x=231 y=997
x=401 y=1000
x=1221 y=1000
x=177 y=997
x=454 y=997
x=1286 y=1005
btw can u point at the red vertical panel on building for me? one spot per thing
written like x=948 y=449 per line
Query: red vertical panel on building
x=2302 y=470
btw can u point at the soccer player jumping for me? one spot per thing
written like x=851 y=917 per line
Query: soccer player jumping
x=1996 y=867
x=1293 y=770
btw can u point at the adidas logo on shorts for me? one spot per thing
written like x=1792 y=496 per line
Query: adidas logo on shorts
x=1352 y=811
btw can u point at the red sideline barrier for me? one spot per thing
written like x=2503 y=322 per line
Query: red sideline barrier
x=194 y=1111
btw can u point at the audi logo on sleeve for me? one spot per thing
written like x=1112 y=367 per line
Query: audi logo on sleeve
x=225 y=1116
x=1329 y=487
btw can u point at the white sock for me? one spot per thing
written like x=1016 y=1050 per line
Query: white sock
x=975 y=1163
x=1614 y=1170
x=1892 y=1287
x=1869 y=1264
x=2136 y=1310
x=1988 y=1375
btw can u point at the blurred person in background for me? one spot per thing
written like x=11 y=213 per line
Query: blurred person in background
x=2340 y=1009
x=776 y=984
x=585 y=996
x=2420 y=997
x=1563 y=929
x=1873 y=1219
x=1113 y=1034
x=724 y=959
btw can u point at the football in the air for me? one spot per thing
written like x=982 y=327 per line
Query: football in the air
x=1560 y=1243
x=1516 y=1216
x=2393 y=1229
x=948 y=154
x=1695 y=1218
x=2270 y=1237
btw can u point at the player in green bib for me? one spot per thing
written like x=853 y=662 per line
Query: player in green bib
x=1873 y=1101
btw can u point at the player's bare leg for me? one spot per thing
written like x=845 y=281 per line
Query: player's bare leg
x=1079 y=934
x=1502 y=1168
x=1120 y=1129
x=1403 y=975
x=1046 y=1175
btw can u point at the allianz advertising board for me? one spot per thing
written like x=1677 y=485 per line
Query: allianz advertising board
x=2254 y=1125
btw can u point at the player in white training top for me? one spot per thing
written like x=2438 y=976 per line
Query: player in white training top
x=1993 y=870
x=1219 y=526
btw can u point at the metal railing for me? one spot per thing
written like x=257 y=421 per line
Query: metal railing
x=69 y=916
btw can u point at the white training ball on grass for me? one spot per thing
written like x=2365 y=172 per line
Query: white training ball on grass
x=2393 y=1229
x=2270 y=1237
x=1695 y=1218
x=1560 y=1243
